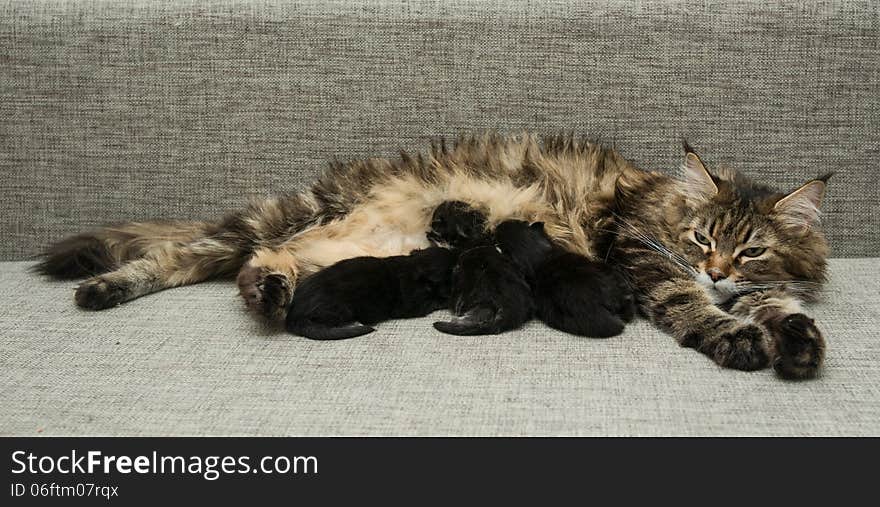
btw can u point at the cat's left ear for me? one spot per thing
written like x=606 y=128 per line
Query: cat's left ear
x=700 y=183
x=800 y=208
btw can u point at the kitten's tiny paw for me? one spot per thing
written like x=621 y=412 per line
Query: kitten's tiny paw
x=265 y=293
x=800 y=347
x=98 y=294
x=743 y=348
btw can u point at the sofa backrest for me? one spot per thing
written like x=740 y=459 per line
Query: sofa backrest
x=115 y=111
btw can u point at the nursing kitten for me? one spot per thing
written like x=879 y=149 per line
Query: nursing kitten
x=583 y=297
x=760 y=246
x=571 y=293
x=490 y=290
x=336 y=302
x=568 y=291
x=457 y=225
x=345 y=299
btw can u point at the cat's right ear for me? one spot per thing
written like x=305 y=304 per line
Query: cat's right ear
x=800 y=208
x=698 y=181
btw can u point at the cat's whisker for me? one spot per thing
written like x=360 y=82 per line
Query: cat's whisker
x=779 y=283
x=633 y=232
x=667 y=253
x=796 y=287
x=672 y=256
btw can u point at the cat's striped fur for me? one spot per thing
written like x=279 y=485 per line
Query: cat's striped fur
x=591 y=200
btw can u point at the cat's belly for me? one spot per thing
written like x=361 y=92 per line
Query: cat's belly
x=384 y=241
x=396 y=218
x=378 y=228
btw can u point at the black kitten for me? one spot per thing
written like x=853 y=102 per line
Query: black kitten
x=345 y=299
x=458 y=225
x=490 y=287
x=490 y=295
x=583 y=297
x=572 y=293
x=567 y=291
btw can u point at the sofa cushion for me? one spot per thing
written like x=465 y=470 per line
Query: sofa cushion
x=190 y=361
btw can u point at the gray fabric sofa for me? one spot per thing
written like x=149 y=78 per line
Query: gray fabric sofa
x=114 y=111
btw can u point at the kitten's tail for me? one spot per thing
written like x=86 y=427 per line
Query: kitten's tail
x=478 y=321
x=318 y=331
x=105 y=249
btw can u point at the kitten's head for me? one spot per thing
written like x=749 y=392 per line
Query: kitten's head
x=457 y=225
x=527 y=244
x=742 y=236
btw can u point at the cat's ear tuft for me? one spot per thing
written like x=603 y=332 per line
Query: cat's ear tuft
x=800 y=208
x=687 y=146
x=825 y=177
x=698 y=181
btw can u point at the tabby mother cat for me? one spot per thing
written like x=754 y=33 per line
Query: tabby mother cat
x=717 y=261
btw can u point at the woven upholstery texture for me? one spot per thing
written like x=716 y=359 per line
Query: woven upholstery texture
x=120 y=110
x=190 y=361
x=124 y=110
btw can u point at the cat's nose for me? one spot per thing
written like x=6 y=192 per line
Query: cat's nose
x=715 y=274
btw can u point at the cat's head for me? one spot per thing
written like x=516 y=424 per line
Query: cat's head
x=741 y=236
x=733 y=235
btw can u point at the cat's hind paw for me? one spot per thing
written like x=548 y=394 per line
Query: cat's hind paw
x=99 y=293
x=265 y=293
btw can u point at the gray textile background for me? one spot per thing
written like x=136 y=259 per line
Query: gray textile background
x=120 y=110
x=190 y=361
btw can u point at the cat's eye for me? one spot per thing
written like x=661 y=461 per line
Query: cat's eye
x=754 y=251
x=703 y=240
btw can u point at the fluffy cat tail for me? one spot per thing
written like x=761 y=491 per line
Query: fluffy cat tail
x=317 y=331
x=475 y=322
x=105 y=249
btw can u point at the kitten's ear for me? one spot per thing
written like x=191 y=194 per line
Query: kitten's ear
x=801 y=207
x=462 y=231
x=699 y=182
x=538 y=226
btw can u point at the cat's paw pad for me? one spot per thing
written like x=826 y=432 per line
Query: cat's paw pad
x=742 y=348
x=276 y=292
x=98 y=294
x=800 y=347
x=265 y=293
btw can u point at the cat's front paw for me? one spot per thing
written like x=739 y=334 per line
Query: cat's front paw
x=800 y=347
x=742 y=348
x=266 y=293
x=99 y=293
